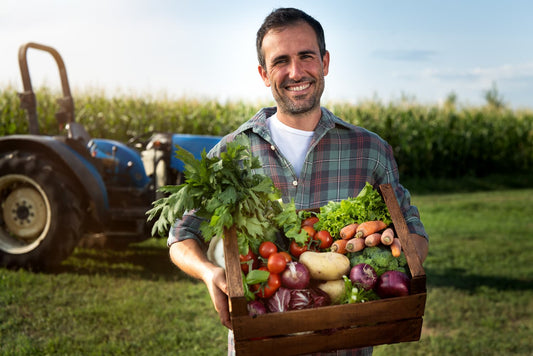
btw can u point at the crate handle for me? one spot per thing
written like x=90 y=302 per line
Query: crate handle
x=237 y=301
x=413 y=260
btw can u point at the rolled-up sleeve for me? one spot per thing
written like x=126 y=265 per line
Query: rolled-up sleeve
x=188 y=227
x=410 y=212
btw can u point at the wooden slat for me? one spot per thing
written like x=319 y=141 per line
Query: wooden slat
x=360 y=314
x=233 y=274
x=378 y=334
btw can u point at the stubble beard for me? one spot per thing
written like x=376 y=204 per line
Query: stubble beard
x=299 y=105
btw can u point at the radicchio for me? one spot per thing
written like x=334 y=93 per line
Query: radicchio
x=320 y=298
x=279 y=302
x=300 y=299
x=295 y=299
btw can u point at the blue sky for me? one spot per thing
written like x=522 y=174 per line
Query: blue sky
x=379 y=49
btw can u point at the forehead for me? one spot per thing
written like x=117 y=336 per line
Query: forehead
x=289 y=40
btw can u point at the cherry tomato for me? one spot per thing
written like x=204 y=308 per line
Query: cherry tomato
x=325 y=239
x=276 y=263
x=249 y=260
x=310 y=230
x=287 y=256
x=310 y=221
x=267 y=248
x=272 y=285
x=296 y=249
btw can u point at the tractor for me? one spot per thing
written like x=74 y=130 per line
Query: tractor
x=54 y=190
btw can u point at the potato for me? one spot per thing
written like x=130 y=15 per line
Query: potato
x=326 y=266
x=335 y=290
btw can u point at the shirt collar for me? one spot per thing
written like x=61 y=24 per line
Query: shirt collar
x=258 y=123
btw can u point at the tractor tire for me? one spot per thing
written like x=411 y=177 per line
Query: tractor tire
x=41 y=214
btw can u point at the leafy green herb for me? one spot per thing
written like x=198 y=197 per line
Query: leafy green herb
x=225 y=192
x=291 y=220
x=368 y=205
x=354 y=294
x=255 y=276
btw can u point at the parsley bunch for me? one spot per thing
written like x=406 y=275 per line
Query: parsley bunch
x=224 y=191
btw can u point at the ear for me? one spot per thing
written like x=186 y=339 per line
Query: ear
x=325 y=63
x=264 y=75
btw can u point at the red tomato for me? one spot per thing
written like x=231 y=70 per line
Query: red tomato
x=296 y=250
x=272 y=285
x=249 y=260
x=310 y=221
x=267 y=248
x=325 y=239
x=276 y=263
x=287 y=256
x=310 y=230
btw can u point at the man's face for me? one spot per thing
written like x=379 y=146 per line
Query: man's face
x=294 y=69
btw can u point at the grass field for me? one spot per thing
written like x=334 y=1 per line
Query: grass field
x=134 y=302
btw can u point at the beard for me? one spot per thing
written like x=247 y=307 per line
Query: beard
x=299 y=104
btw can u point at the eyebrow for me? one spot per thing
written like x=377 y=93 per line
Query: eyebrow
x=284 y=56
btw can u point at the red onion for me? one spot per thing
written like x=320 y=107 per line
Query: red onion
x=295 y=276
x=364 y=276
x=256 y=307
x=392 y=284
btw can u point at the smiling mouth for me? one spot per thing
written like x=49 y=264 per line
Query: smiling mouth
x=299 y=87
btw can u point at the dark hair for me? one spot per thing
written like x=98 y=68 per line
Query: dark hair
x=283 y=17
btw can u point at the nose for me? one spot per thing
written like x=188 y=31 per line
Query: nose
x=296 y=70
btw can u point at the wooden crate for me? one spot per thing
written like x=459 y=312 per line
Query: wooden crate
x=383 y=321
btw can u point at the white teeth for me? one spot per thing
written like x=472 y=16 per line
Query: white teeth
x=300 y=87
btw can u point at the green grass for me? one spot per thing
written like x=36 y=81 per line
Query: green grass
x=134 y=302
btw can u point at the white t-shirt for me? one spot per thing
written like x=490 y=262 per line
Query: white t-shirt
x=292 y=143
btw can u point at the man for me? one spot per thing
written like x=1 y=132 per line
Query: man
x=312 y=156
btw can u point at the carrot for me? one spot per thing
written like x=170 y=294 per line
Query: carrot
x=373 y=239
x=355 y=244
x=396 y=247
x=348 y=231
x=369 y=227
x=387 y=236
x=339 y=246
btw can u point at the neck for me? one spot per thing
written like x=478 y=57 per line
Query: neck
x=305 y=121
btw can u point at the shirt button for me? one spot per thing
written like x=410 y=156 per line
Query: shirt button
x=273 y=148
x=295 y=183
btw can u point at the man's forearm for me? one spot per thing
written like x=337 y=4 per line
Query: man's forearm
x=191 y=259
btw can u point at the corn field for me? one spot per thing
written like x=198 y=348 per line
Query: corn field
x=429 y=141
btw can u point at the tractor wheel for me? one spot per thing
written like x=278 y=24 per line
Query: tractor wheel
x=40 y=217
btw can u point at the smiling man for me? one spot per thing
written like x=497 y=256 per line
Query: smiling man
x=293 y=65
x=312 y=156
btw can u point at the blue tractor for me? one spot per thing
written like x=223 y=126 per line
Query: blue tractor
x=54 y=190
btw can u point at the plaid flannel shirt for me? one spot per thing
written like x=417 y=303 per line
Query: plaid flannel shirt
x=340 y=160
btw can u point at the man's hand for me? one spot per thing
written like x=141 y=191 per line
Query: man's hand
x=215 y=281
x=191 y=259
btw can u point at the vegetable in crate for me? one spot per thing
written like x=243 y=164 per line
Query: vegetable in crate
x=224 y=191
x=363 y=275
x=366 y=206
x=380 y=258
x=392 y=284
x=326 y=266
